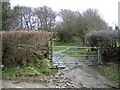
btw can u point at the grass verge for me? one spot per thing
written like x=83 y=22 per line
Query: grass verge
x=41 y=68
x=110 y=73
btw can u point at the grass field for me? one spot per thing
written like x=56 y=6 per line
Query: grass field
x=79 y=53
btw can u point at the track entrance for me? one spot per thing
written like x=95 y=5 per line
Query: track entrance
x=75 y=55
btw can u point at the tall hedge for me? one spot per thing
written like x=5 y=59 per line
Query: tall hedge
x=20 y=47
x=109 y=43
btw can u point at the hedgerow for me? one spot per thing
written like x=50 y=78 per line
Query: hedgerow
x=21 y=47
x=109 y=44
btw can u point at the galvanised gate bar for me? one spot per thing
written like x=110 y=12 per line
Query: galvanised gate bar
x=81 y=54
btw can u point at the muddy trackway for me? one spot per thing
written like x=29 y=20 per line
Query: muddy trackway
x=76 y=78
x=73 y=76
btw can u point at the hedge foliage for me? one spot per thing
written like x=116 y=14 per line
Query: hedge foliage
x=20 y=47
x=108 y=41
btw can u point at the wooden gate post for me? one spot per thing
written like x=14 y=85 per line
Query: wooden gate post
x=99 y=62
x=50 y=50
x=0 y=49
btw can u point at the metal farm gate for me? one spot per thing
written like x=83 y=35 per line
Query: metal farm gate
x=78 y=54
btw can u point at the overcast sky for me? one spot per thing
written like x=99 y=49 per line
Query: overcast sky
x=108 y=9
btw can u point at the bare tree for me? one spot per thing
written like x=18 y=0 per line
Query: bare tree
x=93 y=20
x=46 y=18
x=22 y=18
x=27 y=17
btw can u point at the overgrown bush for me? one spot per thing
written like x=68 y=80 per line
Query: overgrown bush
x=109 y=44
x=20 y=47
x=65 y=36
